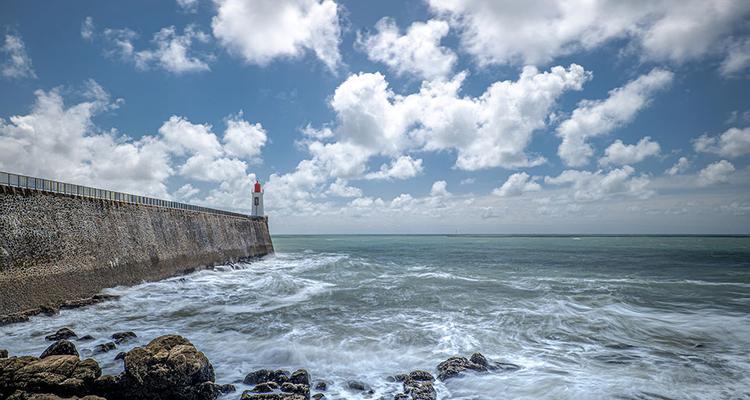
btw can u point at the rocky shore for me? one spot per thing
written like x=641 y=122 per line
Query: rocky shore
x=171 y=368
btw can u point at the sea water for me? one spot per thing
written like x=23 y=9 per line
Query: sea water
x=584 y=317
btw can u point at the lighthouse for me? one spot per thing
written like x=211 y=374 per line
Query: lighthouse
x=257 y=200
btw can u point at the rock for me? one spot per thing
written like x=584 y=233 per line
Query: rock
x=48 y=309
x=120 y=356
x=86 y=338
x=479 y=359
x=296 y=388
x=63 y=333
x=300 y=377
x=417 y=385
x=121 y=337
x=455 y=366
x=60 y=348
x=63 y=375
x=265 y=387
x=169 y=367
x=266 y=375
x=227 y=388
x=3 y=353
x=19 y=395
x=248 y=395
x=104 y=347
x=358 y=386
x=319 y=396
x=401 y=396
x=321 y=385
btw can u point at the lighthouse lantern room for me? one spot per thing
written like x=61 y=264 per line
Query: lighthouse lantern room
x=257 y=199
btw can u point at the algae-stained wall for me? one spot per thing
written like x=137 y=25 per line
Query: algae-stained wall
x=55 y=248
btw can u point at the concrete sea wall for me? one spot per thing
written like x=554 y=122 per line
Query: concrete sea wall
x=58 y=247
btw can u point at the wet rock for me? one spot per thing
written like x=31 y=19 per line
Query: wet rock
x=86 y=338
x=20 y=395
x=248 y=395
x=300 y=377
x=48 y=310
x=63 y=333
x=455 y=366
x=226 y=388
x=318 y=396
x=401 y=396
x=63 y=375
x=104 y=347
x=3 y=353
x=121 y=337
x=120 y=356
x=359 y=386
x=479 y=359
x=417 y=385
x=321 y=385
x=265 y=387
x=169 y=367
x=266 y=375
x=296 y=388
x=97 y=298
x=60 y=348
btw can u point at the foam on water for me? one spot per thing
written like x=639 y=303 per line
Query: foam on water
x=367 y=312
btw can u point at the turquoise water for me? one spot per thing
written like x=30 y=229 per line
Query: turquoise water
x=585 y=317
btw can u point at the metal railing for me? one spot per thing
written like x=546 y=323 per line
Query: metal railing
x=48 y=185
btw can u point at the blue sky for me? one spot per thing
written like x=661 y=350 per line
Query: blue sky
x=429 y=116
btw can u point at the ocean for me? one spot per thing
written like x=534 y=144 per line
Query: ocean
x=585 y=317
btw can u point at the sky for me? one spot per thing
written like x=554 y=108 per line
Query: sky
x=433 y=116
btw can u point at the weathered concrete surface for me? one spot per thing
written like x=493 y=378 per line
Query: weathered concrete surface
x=55 y=248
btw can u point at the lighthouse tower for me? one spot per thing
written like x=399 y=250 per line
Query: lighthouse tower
x=257 y=200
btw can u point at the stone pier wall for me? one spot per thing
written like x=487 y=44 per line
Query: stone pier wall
x=56 y=248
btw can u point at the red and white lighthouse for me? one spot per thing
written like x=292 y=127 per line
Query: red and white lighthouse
x=257 y=199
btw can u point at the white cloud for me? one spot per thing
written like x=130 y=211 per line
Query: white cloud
x=516 y=185
x=243 y=139
x=190 y=6
x=734 y=142
x=186 y=192
x=185 y=137
x=87 y=28
x=599 y=117
x=717 y=172
x=264 y=30
x=679 y=167
x=737 y=59
x=467 y=181
x=403 y=167
x=74 y=150
x=591 y=186
x=417 y=52
x=18 y=63
x=172 y=52
x=504 y=31
x=619 y=153
x=341 y=188
x=440 y=189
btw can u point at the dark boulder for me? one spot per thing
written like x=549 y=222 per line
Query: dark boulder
x=3 y=353
x=265 y=387
x=295 y=388
x=417 y=385
x=248 y=395
x=321 y=385
x=63 y=375
x=62 y=333
x=300 y=377
x=359 y=386
x=479 y=359
x=104 y=347
x=85 y=338
x=226 y=388
x=121 y=337
x=318 y=396
x=20 y=395
x=266 y=375
x=120 y=356
x=455 y=366
x=60 y=348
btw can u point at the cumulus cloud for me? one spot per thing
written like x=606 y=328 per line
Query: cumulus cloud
x=598 y=117
x=440 y=189
x=516 y=185
x=619 y=153
x=537 y=32
x=243 y=139
x=734 y=142
x=171 y=51
x=403 y=167
x=737 y=59
x=679 y=167
x=598 y=185
x=416 y=52
x=17 y=63
x=341 y=188
x=190 y=6
x=262 y=31
x=718 y=172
